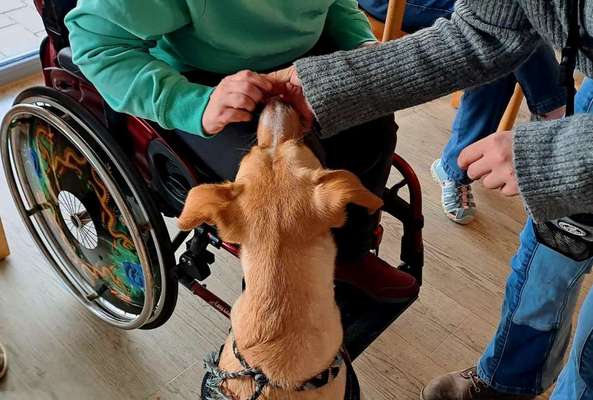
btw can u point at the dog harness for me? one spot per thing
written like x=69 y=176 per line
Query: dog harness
x=215 y=377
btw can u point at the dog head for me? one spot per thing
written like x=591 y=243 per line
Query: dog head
x=281 y=192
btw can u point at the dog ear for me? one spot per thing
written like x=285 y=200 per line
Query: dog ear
x=214 y=205
x=336 y=189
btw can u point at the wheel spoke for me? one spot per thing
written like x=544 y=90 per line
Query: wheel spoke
x=79 y=208
x=68 y=203
x=77 y=219
x=85 y=237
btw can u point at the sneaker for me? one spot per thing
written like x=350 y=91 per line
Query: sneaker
x=457 y=198
x=378 y=280
x=465 y=385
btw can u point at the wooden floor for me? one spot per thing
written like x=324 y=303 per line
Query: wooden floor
x=58 y=351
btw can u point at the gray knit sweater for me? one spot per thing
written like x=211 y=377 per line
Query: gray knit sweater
x=484 y=40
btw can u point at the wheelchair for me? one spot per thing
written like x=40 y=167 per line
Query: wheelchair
x=92 y=186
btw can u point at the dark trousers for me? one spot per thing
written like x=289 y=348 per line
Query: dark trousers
x=364 y=150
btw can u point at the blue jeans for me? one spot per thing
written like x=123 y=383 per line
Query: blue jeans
x=482 y=108
x=419 y=13
x=583 y=101
x=525 y=356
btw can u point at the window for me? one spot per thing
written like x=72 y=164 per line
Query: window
x=21 y=32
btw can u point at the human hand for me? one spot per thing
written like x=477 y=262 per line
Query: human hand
x=288 y=86
x=491 y=160
x=286 y=75
x=234 y=100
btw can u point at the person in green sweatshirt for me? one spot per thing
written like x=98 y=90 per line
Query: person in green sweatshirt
x=188 y=65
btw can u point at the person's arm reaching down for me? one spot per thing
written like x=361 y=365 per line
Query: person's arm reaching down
x=549 y=163
x=554 y=164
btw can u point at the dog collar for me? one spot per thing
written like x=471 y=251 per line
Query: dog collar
x=217 y=376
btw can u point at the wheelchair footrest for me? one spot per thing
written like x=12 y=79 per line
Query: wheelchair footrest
x=364 y=319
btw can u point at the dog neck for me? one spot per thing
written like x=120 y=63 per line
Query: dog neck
x=287 y=322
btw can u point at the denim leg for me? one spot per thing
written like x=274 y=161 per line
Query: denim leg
x=525 y=356
x=576 y=380
x=423 y=13
x=539 y=79
x=478 y=116
x=583 y=101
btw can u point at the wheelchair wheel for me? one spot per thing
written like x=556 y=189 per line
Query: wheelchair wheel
x=88 y=210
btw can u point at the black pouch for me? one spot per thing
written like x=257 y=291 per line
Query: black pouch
x=571 y=236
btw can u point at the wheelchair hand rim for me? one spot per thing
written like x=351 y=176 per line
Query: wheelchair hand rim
x=42 y=233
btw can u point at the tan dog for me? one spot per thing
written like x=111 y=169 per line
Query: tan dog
x=281 y=208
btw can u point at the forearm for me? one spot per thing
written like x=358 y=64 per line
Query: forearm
x=346 y=89
x=118 y=62
x=142 y=86
x=554 y=164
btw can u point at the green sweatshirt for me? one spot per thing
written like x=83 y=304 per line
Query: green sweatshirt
x=134 y=50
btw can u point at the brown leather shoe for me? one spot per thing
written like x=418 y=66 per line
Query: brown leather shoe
x=464 y=385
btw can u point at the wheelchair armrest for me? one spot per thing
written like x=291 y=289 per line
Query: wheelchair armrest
x=65 y=61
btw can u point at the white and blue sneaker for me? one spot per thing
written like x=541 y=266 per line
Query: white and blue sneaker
x=457 y=198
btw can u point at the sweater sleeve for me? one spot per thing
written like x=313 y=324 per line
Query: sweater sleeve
x=483 y=41
x=554 y=164
x=112 y=48
x=346 y=25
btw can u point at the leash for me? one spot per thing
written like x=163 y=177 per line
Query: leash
x=216 y=377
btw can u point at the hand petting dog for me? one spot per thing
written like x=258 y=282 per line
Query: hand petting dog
x=288 y=77
x=234 y=100
x=237 y=96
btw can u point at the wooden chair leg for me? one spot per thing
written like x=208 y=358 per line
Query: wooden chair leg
x=394 y=21
x=392 y=27
x=510 y=115
x=4 y=252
